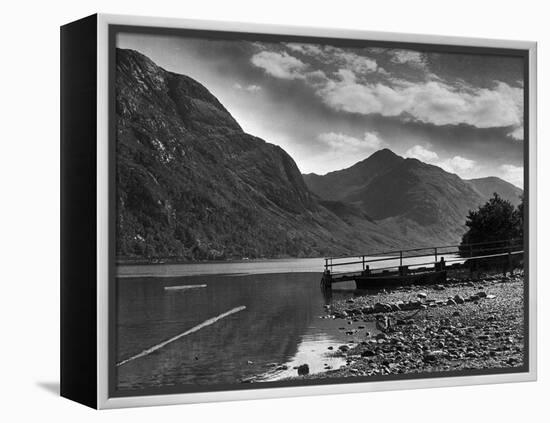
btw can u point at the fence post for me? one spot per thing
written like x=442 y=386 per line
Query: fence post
x=363 y=262
x=326 y=264
x=435 y=253
x=510 y=265
x=401 y=258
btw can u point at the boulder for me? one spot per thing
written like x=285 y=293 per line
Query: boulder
x=414 y=305
x=303 y=370
x=459 y=299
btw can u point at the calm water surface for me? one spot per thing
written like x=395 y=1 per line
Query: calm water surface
x=268 y=314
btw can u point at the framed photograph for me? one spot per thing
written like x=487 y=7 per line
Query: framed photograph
x=254 y=211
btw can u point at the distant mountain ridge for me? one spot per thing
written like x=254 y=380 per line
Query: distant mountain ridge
x=409 y=196
x=192 y=185
x=491 y=184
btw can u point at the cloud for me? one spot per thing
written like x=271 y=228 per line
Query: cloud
x=457 y=164
x=422 y=154
x=517 y=133
x=307 y=49
x=250 y=88
x=337 y=141
x=513 y=174
x=354 y=62
x=346 y=150
x=280 y=65
x=432 y=102
x=349 y=87
x=409 y=57
x=327 y=54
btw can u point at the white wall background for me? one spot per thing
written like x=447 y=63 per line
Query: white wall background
x=29 y=239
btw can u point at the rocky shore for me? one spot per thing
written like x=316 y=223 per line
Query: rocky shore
x=461 y=325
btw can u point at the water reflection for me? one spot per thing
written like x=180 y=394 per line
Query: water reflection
x=281 y=325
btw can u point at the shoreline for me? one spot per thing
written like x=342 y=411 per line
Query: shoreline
x=462 y=325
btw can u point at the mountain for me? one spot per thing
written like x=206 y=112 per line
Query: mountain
x=419 y=201
x=340 y=184
x=192 y=185
x=488 y=186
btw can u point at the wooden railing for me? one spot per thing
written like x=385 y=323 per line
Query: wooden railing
x=449 y=254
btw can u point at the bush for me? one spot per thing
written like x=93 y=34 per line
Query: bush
x=493 y=224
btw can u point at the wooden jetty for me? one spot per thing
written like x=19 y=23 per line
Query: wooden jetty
x=421 y=266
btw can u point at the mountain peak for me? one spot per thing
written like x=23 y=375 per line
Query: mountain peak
x=384 y=153
x=341 y=183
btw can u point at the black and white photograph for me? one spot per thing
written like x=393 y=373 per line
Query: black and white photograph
x=291 y=211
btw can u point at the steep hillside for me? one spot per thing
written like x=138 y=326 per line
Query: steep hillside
x=192 y=185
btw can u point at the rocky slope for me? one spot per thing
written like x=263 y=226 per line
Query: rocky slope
x=192 y=185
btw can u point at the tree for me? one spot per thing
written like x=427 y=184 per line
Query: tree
x=496 y=221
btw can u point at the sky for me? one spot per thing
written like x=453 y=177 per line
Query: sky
x=331 y=106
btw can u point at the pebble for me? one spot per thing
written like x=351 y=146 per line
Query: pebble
x=430 y=340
